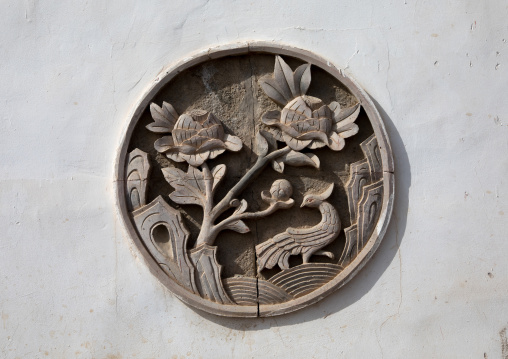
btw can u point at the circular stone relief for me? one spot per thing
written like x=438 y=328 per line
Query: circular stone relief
x=255 y=179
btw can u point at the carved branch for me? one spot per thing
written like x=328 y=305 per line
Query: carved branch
x=209 y=231
x=274 y=206
x=251 y=174
x=208 y=179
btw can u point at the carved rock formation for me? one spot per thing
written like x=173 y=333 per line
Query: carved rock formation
x=365 y=197
x=165 y=237
x=138 y=169
x=208 y=275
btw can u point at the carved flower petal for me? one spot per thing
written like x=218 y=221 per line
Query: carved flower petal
x=213 y=131
x=351 y=130
x=211 y=120
x=211 y=145
x=347 y=115
x=164 y=144
x=336 y=142
x=180 y=135
x=175 y=156
x=314 y=103
x=296 y=110
x=216 y=152
x=335 y=107
x=233 y=143
x=195 y=141
x=314 y=135
x=323 y=111
x=186 y=122
x=186 y=149
x=276 y=133
x=317 y=144
x=196 y=159
x=199 y=115
x=295 y=144
x=271 y=117
x=287 y=129
x=305 y=125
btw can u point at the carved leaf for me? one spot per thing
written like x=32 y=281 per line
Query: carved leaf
x=272 y=90
x=284 y=77
x=278 y=165
x=195 y=178
x=189 y=187
x=269 y=137
x=218 y=173
x=297 y=159
x=302 y=78
x=163 y=144
x=261 y=145
x=238 y=226
x=165 y=118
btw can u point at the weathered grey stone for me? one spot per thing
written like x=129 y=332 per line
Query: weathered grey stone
x=234 y=143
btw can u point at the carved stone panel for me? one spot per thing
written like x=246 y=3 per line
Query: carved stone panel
x=255 y=179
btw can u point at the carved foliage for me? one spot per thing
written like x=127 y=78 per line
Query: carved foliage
x=190 y=186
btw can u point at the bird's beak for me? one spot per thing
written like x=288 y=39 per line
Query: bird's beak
x=302 y=205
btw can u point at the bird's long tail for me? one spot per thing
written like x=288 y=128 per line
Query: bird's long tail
x=276 y=251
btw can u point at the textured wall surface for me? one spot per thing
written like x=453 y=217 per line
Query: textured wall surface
x=72 y=284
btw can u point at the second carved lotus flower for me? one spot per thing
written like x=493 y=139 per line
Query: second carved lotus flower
x=195 y=136
x=305 y=121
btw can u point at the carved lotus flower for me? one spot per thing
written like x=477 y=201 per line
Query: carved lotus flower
x=195 y=136
x=305 y=121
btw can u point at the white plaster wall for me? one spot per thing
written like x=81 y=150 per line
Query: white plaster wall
x=72 y=285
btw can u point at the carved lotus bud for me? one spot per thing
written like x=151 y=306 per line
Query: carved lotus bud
x=280 y=194
x=281 y=190
x=305 y=121
x=195 y=136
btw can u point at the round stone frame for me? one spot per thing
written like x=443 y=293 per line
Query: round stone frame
x=164 y=77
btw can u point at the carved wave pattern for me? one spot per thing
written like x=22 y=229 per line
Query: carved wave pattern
x=251 y=291
x=305 y=278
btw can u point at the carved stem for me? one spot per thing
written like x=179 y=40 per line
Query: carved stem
x=209 y=231
x=251 y=174
x=250 y=215
x=207 y=224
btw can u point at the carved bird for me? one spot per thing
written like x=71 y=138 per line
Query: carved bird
x=303 y=241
